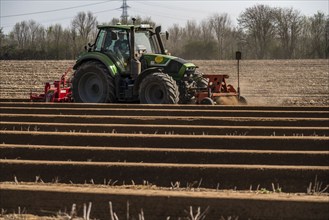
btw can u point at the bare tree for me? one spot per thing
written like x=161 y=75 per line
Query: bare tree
x=115 y=21
x=40 y=38
x=288 y=24
x=318 y=35
x=20 y=34
x=57 y=37
x=174 y=43
x=206 y=30
x=33 y=30
x=2 y=36
x=327 y=38
x=191 y=31
x=142 y=20
x=2 y=42
x=84 y=24
x=258 y=24
x=221 y=25
x=73 y=40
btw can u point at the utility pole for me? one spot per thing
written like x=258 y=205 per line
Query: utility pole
x=124 y=15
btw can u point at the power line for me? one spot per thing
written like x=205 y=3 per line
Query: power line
x=63 y=18
x=54 y=10
x=161 y=15
x=172 y=7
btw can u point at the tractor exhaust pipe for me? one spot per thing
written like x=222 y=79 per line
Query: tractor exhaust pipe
x=135 y=64
x=158 y=35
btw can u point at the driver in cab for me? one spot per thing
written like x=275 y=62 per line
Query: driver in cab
x=121 y=46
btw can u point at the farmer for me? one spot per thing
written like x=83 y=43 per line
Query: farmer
x=121 y=45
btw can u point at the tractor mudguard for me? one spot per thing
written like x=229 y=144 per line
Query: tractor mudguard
x=142 y=75
x=104 y=59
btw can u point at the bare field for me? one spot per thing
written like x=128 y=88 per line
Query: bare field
x=262 y=82
x=229 y=161
x=246 y=161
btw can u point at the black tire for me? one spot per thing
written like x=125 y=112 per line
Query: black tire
x=158 y=88
x=207 y=101
x=187 y=97
x=92 y=83
x=201 y=82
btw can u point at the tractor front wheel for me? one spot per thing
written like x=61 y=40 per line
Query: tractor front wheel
x=92 y=83
x=158 y=88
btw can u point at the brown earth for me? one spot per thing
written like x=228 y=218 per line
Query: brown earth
x=262 y=82
x=290 y=157
x=159 y=204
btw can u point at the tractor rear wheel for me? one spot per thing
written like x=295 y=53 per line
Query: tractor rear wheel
x=158 y=88
x=92 y=83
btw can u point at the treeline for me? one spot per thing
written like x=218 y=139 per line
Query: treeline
x=262 y=32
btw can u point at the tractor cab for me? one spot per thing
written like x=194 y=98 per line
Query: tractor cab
x=125 y=43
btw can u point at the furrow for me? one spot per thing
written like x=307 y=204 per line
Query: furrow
x=163 y=155
x=158 y=204
x=169 y=120
x=165 y=141
x=164 y=112
x=290 y=178
x=166 y=129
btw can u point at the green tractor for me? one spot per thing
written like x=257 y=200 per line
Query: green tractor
x=129 y=63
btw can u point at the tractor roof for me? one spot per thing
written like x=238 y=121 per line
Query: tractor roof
x=126 y=27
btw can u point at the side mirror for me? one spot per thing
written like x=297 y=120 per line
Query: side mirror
x=134 y=20
x=158 y=29
x=167 y=35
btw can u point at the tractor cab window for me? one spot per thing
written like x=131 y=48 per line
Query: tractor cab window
x=143 y=41
x=121 y=45
x=105 y=40
x=100 y=39
x=116 y=46
x=110 y=37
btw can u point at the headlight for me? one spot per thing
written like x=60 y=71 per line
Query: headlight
x=192 y=68
x=145 y=26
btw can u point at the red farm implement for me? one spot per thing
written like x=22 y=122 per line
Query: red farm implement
x=218 y=92
x=59 y=91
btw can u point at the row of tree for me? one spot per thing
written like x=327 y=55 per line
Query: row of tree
x=263 y=32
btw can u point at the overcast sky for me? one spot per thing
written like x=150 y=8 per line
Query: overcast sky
x=164 y=12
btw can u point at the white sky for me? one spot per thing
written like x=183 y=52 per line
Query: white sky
x=164 y=12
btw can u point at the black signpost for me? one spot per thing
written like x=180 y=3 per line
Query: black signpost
x=238 y=58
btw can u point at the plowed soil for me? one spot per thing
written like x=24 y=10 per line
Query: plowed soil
x=245 y=161
x=266 y=160
x=262 y=82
